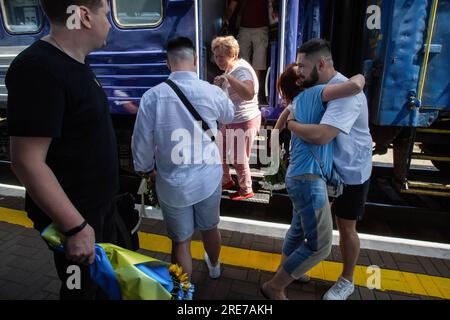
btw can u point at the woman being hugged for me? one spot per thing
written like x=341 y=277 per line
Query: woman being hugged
x=239 y=80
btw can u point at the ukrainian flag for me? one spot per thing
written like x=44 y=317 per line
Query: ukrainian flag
x=127 y=275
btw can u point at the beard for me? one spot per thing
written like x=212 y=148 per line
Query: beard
x=312 y=80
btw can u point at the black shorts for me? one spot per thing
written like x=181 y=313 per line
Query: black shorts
x=351 y=204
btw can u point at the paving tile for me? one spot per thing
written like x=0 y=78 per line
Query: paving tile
x=52 y=297
x=32 y=242
x=226 y=233
x=245 y=287
x=265 y=276
x=356 y=295
x=43 y=281
x=28 y=252
x=3 y=234
x=253 y=276
x=198 y=277
x=203 y=292
x=16 y=275
x=321 y=288
x=336 y=254
x=36 y=295
x=381 y=295
x=278 y=246
x=388 y=260
x=242 y=297
x=198 y=265
x=397 y=296
x=447 y=262
x=25 y=264
x=363 y=253
x=263 y=247
x=235 y=273
x=236 y=240
x=226 y=241
x=264 y=239
x=375 y=258
x=362 y=261
x=398 y=257
x=222 y=289
x=441 y=267
x=366 y=294
x=53 y=287
x=411 y=267
x=11 y=290
x=293 y=294
x=306 y=287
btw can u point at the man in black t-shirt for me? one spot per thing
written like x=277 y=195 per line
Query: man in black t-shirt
x=63 y=147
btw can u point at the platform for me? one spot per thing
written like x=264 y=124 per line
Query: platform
x=248 y=260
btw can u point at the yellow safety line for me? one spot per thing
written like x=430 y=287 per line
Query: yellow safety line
x=391 y=280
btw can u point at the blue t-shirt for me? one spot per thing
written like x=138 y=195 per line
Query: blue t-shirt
x=309 y=109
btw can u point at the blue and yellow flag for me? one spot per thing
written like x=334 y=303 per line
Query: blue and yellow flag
x=127 y=275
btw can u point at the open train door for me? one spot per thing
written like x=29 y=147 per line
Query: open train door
x=299 y=21
x=410 y=87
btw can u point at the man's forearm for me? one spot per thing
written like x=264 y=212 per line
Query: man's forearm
x=45 y=190
x=310 y=133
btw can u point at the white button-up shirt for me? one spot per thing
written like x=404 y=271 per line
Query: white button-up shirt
x=188 y=162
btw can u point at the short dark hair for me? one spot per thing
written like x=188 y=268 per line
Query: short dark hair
x=179 y=43
x=314 y=47
x=180 y=49
x=56 y=10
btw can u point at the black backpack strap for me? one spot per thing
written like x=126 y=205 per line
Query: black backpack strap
x=191 y=108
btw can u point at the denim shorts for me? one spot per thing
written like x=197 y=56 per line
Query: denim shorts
x=182 y=222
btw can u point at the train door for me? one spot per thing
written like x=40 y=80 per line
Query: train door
x=410 y=89
x=298 y=21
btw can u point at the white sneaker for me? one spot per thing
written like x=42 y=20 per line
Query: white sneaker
x=341 y=290
x=214 y=272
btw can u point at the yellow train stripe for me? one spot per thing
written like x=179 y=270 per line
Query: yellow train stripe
x=391 y=280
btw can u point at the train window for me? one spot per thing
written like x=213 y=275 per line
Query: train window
x=22 y=16
x=137 y=13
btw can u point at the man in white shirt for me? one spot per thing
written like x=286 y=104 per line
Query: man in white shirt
x=189 y=169
x=347 y=121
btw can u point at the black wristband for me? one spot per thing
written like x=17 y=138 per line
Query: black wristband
x=75 y=230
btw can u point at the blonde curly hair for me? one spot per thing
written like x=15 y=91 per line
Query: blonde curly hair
x=227 y=45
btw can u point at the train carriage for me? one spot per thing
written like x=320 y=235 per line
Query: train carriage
x=400 y=45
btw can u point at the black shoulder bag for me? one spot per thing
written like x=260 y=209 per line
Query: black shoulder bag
x=191 y=108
